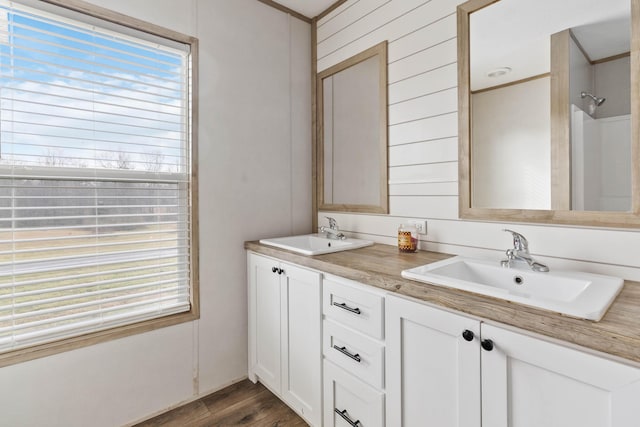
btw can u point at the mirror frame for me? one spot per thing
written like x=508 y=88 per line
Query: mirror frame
x=379 y=50
x=559 y=121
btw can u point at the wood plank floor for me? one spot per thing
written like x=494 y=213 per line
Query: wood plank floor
x=242 y=404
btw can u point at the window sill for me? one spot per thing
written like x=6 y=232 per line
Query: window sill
x=73 y=343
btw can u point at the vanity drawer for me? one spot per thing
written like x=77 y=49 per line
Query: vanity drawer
x=347 y=398
x=354 y=352
x=353 y=306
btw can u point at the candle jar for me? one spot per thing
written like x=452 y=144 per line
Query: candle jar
x=407 y=238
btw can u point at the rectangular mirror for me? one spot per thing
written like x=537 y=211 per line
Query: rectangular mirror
x=549 y=103
x=352 y=134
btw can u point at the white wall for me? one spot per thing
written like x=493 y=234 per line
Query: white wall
x=581 y=77
x=511 y=155
x=610 y=80
x=423 y=142
x=255 y=159
x=613 y=82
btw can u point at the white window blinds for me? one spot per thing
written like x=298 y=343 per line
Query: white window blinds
x=95 y=173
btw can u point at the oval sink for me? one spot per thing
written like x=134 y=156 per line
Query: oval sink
x=576 y=294
x=315 y=244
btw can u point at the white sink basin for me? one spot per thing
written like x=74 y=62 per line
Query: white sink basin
x=576 y=294
x=315 y=244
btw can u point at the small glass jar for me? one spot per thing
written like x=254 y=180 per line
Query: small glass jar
x=407 y=238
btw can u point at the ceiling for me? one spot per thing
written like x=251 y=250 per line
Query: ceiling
x=516 y=34
x=309 y=8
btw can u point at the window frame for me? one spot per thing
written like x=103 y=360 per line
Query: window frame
x=91 y=338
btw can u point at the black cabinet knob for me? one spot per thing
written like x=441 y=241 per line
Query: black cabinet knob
x=468 y=335
x=274 y=270
x=487 y=345
x=280 y=271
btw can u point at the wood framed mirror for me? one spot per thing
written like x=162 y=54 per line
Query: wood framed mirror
x=351 y=147
x=527 y=74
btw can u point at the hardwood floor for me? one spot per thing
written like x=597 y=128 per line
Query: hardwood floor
x=242 y=404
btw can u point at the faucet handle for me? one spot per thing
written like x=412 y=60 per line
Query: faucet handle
x=332 y=223
x=520 y=243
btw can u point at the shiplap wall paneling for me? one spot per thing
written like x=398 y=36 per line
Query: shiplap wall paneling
x=422 y=135
x=430 y=105
x=442 y=126
x=420 y=188
x=432 y=81
x=428 y=59
x=423 y=143
x=433 y=32
x=440 y=207
x=367 y=26
x=423 y=152
x=412 y=174
x=391 y=21
x=344 y=16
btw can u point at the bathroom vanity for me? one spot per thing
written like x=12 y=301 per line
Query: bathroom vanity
x=345 y=340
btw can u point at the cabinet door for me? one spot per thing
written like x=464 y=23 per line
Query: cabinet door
x=528 y=382
x=432 y=372
x=264 y=321
x=302 y=342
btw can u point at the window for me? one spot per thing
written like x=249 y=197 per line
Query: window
x=96 y=195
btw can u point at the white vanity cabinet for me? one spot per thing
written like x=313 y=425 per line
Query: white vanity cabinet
x=341 y=353
x=448 y=370
x=285 y=316
x=353 y=349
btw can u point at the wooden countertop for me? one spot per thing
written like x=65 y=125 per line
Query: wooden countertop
x=618 y=333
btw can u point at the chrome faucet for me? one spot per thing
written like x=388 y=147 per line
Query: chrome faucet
x=520 y=252
x=332 y=231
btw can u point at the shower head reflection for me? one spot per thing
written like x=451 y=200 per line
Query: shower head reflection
x=596 y=100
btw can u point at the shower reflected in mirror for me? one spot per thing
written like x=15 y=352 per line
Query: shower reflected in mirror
x=596 y=101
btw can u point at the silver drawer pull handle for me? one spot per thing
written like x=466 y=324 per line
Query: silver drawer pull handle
x=345 y=417
x=344 y=351
x=346 y=307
